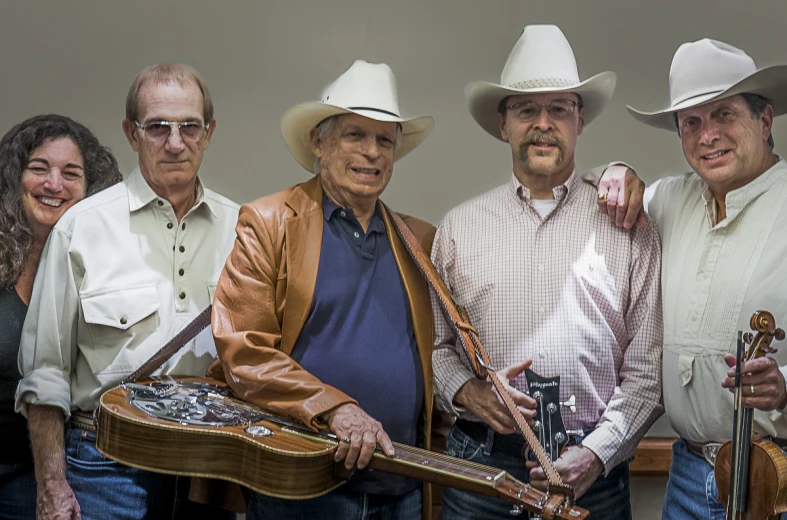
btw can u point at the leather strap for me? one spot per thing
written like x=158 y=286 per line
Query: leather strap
x=185 y=335
x=459 y=320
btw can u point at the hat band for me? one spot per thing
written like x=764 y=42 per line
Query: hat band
x=374 y=110
x=543 y=83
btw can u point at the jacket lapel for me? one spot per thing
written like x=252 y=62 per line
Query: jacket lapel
x=303 y=239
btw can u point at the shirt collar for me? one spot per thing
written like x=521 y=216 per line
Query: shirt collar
x=737 y=200
x=330 y=208
x=560 y=192
x=140 y=194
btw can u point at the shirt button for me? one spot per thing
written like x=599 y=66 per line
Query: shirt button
x=182 y=249
x=123 y=320
x=181 y=272
x=541 y=268
x=169 y=225
x=541 y=309
x=160 y=203
x=183 y=226
x=342 y=213
x=357 y=235
x=182 y=296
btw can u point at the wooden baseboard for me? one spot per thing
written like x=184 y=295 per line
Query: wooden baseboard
x=652 y=457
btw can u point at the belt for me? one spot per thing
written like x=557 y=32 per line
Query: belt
x=509 y=444
x=709 y=450
x=83 y=420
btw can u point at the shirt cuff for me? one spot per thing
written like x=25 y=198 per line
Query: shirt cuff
x=783 y=370
x=605 y=444
x=455 y=381
x=45 y=387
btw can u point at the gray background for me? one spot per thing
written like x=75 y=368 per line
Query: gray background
x=79 y=57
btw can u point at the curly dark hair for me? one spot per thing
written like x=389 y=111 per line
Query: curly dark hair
x=16 y=236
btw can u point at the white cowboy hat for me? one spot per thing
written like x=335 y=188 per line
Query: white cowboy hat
x=366 y=89
x=708 y=70
x=541 y=61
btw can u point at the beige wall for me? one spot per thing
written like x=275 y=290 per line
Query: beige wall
x=78 y=58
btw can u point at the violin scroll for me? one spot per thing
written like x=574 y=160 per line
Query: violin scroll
x=765 y=325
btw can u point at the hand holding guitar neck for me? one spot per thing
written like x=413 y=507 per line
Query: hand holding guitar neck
x=358 y=435
x=578 y=466
x=483 y=400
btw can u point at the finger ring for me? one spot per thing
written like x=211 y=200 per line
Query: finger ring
x=346 y=439
x=751 y=387
x=602 y=196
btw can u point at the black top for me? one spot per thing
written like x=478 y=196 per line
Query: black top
x=14 y=440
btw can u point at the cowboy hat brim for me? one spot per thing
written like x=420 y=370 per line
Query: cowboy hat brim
x=770 y=82
x=483 y=98
x=297 y=123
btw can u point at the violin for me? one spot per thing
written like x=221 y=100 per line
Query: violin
x=752 y=475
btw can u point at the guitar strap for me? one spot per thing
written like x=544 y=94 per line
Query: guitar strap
x=459 y=320
x=185 y=335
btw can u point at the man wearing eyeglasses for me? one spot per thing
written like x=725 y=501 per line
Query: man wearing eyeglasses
x=121 y=274
x=552 y=285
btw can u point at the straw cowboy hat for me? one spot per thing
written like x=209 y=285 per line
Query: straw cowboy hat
x=708 y=70
x=541 y=61
x=366 y=89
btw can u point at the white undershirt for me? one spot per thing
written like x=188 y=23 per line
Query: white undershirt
x=543 y=206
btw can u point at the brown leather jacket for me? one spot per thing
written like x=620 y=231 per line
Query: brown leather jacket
x=263 y=299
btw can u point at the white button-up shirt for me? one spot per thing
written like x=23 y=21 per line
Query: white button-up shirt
x=119 y=277
x=569 y=290
x=714 y=278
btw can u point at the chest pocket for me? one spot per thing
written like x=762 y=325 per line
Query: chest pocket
x=118 y=321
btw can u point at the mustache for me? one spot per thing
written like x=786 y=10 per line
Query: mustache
x=538 y=137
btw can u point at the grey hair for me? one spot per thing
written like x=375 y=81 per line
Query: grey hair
x=325 y=127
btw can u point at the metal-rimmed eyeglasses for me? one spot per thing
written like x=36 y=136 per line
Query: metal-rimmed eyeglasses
x=158 y=131
x=558 y=110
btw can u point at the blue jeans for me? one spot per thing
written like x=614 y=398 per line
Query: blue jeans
x=691 y=489
x=17 y=492
x=337 y=505
x=608 y=498
x=106 y=489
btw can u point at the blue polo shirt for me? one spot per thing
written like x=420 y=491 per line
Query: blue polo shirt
x=359 y=334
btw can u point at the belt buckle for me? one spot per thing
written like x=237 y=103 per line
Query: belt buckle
x=709 y=451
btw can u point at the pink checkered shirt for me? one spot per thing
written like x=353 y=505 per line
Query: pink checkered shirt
x=572 y=291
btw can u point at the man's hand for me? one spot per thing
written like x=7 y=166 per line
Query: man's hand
x=483 y=401
x=56 y=501
x=578 y=467
x=621 y=194
x=762 y=374
x=349 y=423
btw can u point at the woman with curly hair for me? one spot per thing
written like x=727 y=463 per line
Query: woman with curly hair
x=48 y=163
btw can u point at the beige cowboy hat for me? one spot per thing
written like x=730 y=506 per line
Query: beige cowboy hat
x=366 y=89
x=709 y=70
x=541 y=61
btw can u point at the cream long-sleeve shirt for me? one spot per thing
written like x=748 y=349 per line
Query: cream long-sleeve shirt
x=714 y=278
x=120 y=276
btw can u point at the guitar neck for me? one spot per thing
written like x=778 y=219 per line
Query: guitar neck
x=441 y=469
x=444 y=470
